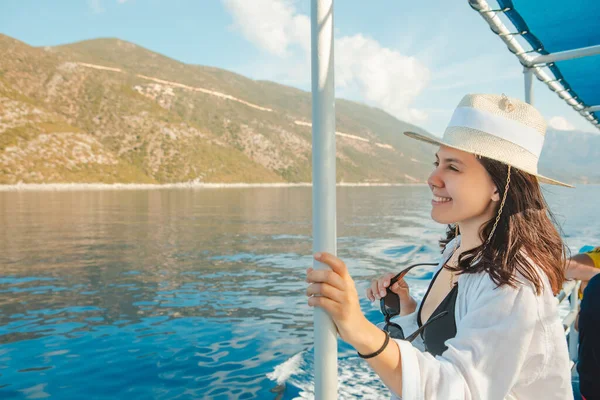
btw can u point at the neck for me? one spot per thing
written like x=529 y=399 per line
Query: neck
x=469 y=236
x=469 y=229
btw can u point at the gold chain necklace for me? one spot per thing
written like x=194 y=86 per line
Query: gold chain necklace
x=451 y=277
x=454 y=253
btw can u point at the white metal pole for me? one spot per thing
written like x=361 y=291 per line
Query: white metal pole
x=528 y=73
x=573 y=334
x=565 y=55
x=323 y=190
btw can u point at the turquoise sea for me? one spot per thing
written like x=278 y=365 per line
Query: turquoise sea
x=199 y=293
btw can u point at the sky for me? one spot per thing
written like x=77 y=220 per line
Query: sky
x=414 y=59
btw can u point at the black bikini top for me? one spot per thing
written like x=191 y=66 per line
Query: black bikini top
x=435 y=334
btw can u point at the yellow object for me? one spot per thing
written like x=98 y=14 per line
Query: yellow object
x=595 y=256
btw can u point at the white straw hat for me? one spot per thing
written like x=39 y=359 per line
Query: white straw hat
x=497 y=127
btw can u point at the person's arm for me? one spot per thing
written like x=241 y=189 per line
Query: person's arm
x=490 y=352
x=334 y=291
x=483 y=360
x=581 y=267
x=408 y=307
x=387 y=365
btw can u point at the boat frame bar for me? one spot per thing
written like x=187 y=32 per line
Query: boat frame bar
x=571 y=291
x=537 y=64
x=528 y=74
x=565 y=55
x=324 y=188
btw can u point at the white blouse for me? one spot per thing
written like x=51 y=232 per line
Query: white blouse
x=510 y=344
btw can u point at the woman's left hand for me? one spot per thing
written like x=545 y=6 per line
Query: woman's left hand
x=334 y=291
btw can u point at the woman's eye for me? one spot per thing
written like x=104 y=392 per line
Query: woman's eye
x=450 y=167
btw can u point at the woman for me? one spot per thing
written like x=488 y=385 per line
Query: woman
x=500 y=337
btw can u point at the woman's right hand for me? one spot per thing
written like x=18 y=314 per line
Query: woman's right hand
x=379 y=286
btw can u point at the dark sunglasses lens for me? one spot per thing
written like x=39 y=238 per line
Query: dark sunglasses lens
x=390 y=304
x=394 y=330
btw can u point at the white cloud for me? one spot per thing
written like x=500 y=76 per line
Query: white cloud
x=560 y=123
x=383 y=76
x=121 y=1
x=96 y=6
x=380 y=76
x=272 y=25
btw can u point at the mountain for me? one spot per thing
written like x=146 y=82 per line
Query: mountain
x=571 y=156
x=106 y=110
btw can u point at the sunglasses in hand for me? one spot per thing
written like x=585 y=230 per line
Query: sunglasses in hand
x=390 y=307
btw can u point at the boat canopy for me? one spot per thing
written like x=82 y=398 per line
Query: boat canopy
x=557 y=41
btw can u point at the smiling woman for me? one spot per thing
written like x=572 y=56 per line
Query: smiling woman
x=489 y=322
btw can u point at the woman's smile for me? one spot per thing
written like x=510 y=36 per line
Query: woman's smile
x=438 y=200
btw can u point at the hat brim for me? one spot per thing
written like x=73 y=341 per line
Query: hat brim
x=430 y=140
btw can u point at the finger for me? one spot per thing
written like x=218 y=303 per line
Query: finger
x=381 y=290
x=325 y=290
x=398 y=286
x=370 y=295
x=326 y=276
x=387 y=279
x=335 y=263
x=383 y=283
x=375 y=289
x=308 y=271
x=326 y=304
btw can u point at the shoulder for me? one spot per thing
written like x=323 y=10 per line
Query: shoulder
x=483 y=280
x=480 y=288
x=481 y=283
x=520 y=303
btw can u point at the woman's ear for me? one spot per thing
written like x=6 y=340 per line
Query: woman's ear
x=496 y=195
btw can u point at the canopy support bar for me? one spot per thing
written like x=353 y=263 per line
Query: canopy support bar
x=565 y=55
x=592 y=108
x=528 y=74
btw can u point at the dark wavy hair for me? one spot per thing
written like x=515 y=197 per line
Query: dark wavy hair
x=526 y=236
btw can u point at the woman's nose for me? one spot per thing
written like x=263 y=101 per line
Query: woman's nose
x=434 y=179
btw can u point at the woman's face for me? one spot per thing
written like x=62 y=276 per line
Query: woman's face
x=463 y=191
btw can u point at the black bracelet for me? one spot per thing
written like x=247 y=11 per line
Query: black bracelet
x=378 y=352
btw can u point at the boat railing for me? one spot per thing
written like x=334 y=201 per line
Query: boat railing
x=570 y=290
